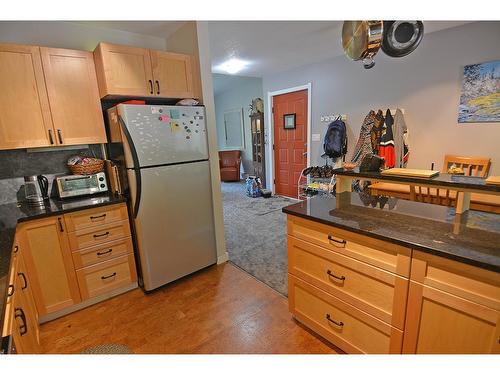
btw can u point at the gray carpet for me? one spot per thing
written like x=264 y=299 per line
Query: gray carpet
x=255 y=231
x=108 y=349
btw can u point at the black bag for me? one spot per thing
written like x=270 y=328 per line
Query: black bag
x=335 y=142
x=371 y=163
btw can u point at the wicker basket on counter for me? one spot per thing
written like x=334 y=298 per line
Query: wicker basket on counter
x=89 y=168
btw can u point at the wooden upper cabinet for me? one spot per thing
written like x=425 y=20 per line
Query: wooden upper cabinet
x=73 y=96
x=123 y=70
x=131 y=71
x=172 y=73
x=25 y=119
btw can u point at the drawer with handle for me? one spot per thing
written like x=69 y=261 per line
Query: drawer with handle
x=385 y=255
x=99 y=253
x=95 y=217
x=95 y=236
x=106 y=276
x=371 y=289
x=350 y=329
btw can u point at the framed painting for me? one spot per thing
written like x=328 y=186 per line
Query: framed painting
x=480 y=97
x=289 y=121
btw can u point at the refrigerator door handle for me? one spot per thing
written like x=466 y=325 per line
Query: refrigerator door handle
x=135 y=167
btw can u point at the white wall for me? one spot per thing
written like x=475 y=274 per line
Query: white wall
x=425 y=83
x=240 y=95
x=71 y=35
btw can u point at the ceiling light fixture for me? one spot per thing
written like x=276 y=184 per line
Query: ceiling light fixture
x=233 y=66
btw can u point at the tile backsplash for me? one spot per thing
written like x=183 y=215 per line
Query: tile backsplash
x=15 y=164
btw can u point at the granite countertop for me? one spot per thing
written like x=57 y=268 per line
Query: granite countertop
x=455 y=182
x=473 y=237
x=13 y=213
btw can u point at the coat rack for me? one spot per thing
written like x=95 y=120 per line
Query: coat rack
x=333 y=117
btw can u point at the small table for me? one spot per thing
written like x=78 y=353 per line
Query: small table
x=464 y=185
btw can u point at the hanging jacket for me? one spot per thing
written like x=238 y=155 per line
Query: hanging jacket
x=401 y=140
x=386 y=149
x=363 y=145
x=376 y=131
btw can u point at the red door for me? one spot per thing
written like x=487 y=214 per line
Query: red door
x=290 y=145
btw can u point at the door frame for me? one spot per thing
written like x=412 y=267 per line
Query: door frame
x=270 y=127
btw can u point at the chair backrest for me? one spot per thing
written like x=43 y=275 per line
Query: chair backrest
x=229 y=158
x=472 y=166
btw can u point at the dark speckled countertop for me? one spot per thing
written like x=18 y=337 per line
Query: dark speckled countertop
x=474 y=238
x=13 y=213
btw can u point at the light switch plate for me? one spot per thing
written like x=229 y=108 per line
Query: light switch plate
x=315 y=137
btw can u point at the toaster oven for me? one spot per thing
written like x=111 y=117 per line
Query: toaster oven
x=77 y=185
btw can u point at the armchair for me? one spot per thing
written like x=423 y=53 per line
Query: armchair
x=229 y=164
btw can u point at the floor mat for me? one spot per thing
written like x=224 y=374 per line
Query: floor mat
x=108 y=349
x=255 y=233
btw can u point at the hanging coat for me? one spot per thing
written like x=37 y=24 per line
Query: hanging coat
x=363 y=145
x=376 y=131
x=401 y=140
x=386 y=149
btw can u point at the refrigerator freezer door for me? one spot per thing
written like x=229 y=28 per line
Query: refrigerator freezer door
x=174 y=223
x=165 y=134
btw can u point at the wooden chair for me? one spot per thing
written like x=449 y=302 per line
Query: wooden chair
x=478 y=167
x=472 y=166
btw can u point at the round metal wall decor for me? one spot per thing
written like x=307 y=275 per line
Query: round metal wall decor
x=401 y=37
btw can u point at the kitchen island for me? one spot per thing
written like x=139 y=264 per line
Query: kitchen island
x=382 y=275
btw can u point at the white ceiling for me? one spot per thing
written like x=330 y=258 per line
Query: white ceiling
x=161 y=29
x=270 y=46
x=273 y=46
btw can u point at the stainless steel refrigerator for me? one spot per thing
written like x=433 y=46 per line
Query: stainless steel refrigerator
x=164 y=155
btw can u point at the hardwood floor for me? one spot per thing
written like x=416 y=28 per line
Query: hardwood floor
x=221 y=309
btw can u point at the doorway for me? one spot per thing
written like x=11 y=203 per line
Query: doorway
x=290 y=130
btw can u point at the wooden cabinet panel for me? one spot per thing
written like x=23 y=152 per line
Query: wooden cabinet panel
x=23 y=330
x=350 y=329
x=371 y=289
x=440 y=323
x=172 y=74
x=92 y=236
x=48 y=261
x=73 y=96
x=100 y=253
x=96 y=217
x=123 y=70
x=9 y=301
x=387 y=256
x=107 y=276
x=24 y=287
x=475 y=284
x=25 y=119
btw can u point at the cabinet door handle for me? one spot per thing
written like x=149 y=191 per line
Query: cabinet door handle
x=107 y=277
x=59 y=135
x=98 y=217
x=19 y=313
x=61 y=228
x=10 y=290
x=158 y=86
x=51 y=139
x=340 y=324
x=341 y=278
x=150 y=86
x=101 y=235
x=330 y=238
x=104 y=252
x=24 y=280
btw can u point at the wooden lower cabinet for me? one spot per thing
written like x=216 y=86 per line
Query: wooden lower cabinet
x=442 y=323
x=389 y=299
x=349 y=328
x=49 y=264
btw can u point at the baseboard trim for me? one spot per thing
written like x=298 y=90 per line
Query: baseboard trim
x=87 y=303
x=223 y=258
